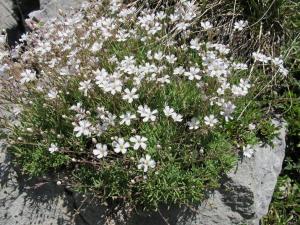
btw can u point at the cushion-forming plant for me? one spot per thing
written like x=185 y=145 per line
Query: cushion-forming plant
x=136 y=104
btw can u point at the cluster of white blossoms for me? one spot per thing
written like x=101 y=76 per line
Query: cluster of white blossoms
x=276 y=61
x=70 y=49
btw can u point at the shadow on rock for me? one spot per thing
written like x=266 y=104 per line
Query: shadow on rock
x=31 y=202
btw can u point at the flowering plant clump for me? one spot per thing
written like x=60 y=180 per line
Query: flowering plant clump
x=130 y=103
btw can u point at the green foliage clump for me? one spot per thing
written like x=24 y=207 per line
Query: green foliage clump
x=130 y=104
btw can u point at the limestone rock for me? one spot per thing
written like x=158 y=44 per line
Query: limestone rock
x=30 y=203
x=7 y=17
x=51 y=8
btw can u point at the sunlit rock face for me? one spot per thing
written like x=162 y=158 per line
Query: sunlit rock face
x=13 y=14
x=7 y=16
x=50 y=8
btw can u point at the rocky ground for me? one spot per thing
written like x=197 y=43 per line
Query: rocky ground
x=13 y=13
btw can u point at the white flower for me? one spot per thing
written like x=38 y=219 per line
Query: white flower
x=245 y=84
x=27 y=76
x=100 y=151
x=278 y=61
x=177 y=117
x=64 y=71
x=3 y=68
x=77 y=107
x=101 y=76
x=283 y=70
x=130 y=95
x=158 y=56
x=126 y=118
x=168 y=111
x=120 y=145
x=216 y=67
x=171 y=58
x=221 y=90
x=206 y=25
x=127 y=65
x=248 y=151
x=228 y=109
x=201 y=151
x=179 y=70
x=194 y=44
x=241 y=89
x=84 y=86
x=84 y=128
x=240 y=25
x=222 y=49
x=146 y=113
x=239 y=66
x=193 y=124
x=174 y=17
x=145 y=163
x=193 y=73
x=251 y=126
x=164 y=79
x=261 y=57
x=238 y=91
x=52 y=94
x=182 y=26
x=210 y=120
x=96 y=47
x=53 y=148
x=114 y=86
x=109 y=83
x=139 y=142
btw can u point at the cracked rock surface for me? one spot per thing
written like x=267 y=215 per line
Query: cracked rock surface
x=23 y=203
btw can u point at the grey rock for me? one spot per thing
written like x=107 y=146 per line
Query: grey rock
x=31 y=203
x=13 y=14
x=41 y=202
x=7 y=16
x=50 y=8
x=53 y=6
